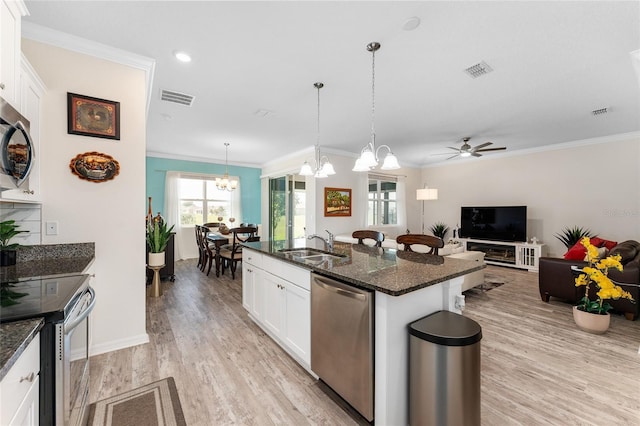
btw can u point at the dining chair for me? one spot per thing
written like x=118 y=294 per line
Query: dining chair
x=206 y=252
x=201 y=250
x=231 y=254
x=369 y=234
x=431 y=241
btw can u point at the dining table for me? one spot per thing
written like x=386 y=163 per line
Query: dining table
x=218 y=241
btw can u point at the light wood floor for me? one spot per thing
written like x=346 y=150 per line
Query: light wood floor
x=537 y=367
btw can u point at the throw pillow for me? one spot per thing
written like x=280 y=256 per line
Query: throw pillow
x=577 y=252
x=602 y=253
x=610 y=244
x=596 y=241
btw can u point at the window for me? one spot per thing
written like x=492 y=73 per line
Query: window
x=382 y=201
x=201 y=202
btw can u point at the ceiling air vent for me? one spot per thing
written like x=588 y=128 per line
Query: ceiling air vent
x=600 y=111
x=478 y=69
x=176 y=97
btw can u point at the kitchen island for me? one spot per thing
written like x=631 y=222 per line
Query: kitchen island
x=407 y=286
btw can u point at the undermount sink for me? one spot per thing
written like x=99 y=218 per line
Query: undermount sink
x=300 y=252
x=320 y=257
x=310 y=255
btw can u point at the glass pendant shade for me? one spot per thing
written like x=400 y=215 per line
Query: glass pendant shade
x=306 y=170
x=327 y=169
x=368 y=158
x=390 y=162
x=360 y=166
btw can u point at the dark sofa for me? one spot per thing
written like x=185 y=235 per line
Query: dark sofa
x=556 y=279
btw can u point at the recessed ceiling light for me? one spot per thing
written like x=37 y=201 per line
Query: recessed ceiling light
x=182 y=56
x=411 y=23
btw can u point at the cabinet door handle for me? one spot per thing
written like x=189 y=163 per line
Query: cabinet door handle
x=26 y=191
x=28 y=378
x=1 y=86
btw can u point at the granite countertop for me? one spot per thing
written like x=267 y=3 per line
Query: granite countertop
x=389 y=271
x=14 y=339
x=48 y=261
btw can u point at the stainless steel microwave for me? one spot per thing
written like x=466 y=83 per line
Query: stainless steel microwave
x=16 y=147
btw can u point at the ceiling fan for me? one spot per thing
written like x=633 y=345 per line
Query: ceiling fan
x=467 y=150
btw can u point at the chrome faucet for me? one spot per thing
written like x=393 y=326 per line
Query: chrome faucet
x=327 y=242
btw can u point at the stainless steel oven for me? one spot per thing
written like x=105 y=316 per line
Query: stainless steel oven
x=73 y=339
x=65 y=303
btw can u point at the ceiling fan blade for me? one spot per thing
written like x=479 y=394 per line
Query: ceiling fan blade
x=441 y=153
x=455 y=149
x=453 y=156
x=502 y=148
x=482 y=145
x=475 y=154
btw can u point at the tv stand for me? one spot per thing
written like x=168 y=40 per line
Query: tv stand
x=521 y=255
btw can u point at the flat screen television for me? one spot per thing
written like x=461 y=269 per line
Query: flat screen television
x=499 y=223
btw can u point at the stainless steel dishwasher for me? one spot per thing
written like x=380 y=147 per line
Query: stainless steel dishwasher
x=342 y=341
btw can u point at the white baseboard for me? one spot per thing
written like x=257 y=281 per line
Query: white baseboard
x=119 y=344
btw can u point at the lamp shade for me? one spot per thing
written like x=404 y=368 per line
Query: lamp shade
x=390 y=162
x=426 y=194
x=306 y=170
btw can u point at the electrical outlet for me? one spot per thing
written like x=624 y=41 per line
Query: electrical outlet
x=51 y=228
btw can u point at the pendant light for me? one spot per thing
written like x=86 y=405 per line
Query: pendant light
x=369 y=155
x=323 y=167
x=225 y=183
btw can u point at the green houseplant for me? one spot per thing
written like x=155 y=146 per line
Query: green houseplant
x=593 y=315
x=158 y=235
x=570 y=236
x=439 y=229
x=8 y=230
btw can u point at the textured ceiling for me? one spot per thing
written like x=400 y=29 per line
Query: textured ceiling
x=553 y=63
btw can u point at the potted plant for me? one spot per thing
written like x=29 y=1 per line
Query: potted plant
x=158 y=235
x=8 y=230
x=570 y=236
x=439 y=229
x=593 y=315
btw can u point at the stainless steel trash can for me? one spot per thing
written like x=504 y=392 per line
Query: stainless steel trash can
x=444 y=370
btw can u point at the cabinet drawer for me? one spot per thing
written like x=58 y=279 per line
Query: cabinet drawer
x=12 y=389
x=298 y=276
x=252 y=257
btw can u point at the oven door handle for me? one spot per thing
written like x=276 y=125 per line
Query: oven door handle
x=84 y=314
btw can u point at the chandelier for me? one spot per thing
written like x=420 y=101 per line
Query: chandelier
x=368 y=158
x=224 y=182
x=323 y=167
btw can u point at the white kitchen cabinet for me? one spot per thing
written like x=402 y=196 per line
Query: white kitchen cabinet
x=19 y=389
x=32 y=90
x=11 y=13
x=252 y=286
x=278 y=298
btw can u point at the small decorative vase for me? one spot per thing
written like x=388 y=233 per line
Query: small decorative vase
x=7 y=257
x=156 y=259
x=223 y=229
x=590 y=322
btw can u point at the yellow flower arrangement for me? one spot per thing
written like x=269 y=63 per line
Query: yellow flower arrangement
x=597 y=272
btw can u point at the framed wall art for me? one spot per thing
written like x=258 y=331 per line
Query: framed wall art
x=94 y=166
x=89 y=116
x=337 y=202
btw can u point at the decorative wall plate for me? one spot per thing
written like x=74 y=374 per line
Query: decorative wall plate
x=94 y=166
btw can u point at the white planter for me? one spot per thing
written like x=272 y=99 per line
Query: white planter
x=156 y=259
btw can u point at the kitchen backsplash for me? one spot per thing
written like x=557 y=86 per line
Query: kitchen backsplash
x=28 y=216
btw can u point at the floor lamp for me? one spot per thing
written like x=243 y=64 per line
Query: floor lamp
x=423 y=194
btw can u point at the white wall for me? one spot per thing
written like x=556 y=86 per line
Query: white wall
x=109 y=213
x=594 y=184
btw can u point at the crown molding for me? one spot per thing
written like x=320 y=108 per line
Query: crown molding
x=63 y=40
